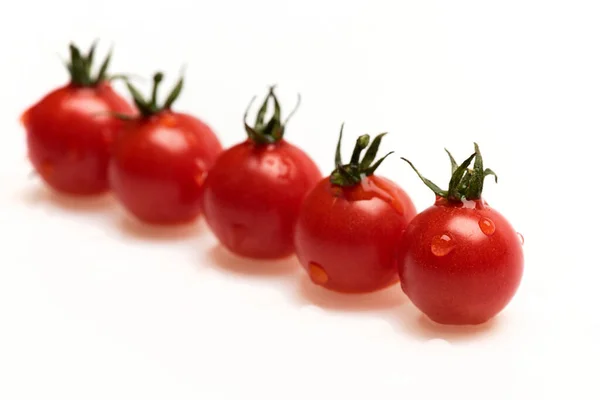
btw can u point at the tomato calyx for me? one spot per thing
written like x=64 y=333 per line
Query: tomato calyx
x=271 y=131
x=465 y=183
x=352 y=174
x=151 y=107
x=80 y=67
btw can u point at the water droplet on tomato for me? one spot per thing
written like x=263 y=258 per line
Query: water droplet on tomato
x=317 y=273
x=471 y=204
x=487 y=226
x=521 y=238
x=384 y=191
x=441 y=245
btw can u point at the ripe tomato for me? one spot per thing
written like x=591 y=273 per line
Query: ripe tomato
x=349 y=225
x=460 y=261
x=160 y=160
x=69 y=131
x=255 y=190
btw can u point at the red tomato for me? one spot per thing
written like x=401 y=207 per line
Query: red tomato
x=460 y=261
x=255 y=190
x=160 y=161
x=69 y=131
x=350 y=223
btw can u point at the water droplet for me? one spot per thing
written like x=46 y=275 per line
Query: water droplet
x=441 y=245
x=383 y=190
x=521 y=238
x=317 y=273
x=487 y=226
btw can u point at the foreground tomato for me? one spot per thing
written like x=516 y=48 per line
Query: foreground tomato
x=69 y=131
x=255 y=190
x=350 y=224
x=160 y=160
x=460 y=261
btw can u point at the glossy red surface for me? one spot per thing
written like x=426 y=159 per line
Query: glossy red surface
x=346 y=237
x=160 y=164
x=253 y=197
x=69 y=133
x=460 y=263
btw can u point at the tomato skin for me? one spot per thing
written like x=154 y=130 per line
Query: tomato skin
x=474 y=276
x=253 y=196
x=159 y=166
x=69 y=138
x=346 y=237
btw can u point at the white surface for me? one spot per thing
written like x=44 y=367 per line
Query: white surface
x=93 y=306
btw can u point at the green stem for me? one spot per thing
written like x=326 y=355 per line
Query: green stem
x=150 y=107
x=157 y=78
x=273 y=129
x=353 y=173
x=465 y=183
x=80 y=67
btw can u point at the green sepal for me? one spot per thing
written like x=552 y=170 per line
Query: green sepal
x=435 y=188
x=80 y=67
x=151 y=106
x=453 y=163
x=273 y=130
x=465 y=183
x=353 y=173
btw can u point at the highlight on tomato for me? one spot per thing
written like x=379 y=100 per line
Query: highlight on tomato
x=351 y=222
x=460 y=260
x=255 y=189
x=70 y=129
x=161 y=159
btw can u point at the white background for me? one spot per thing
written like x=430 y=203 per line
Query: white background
x=95 y=306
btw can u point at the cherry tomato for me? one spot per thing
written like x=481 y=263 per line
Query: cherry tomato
x=255 y=190
x=161 y=159
x=69 y=131
x=349 y=225
x=460 y=261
